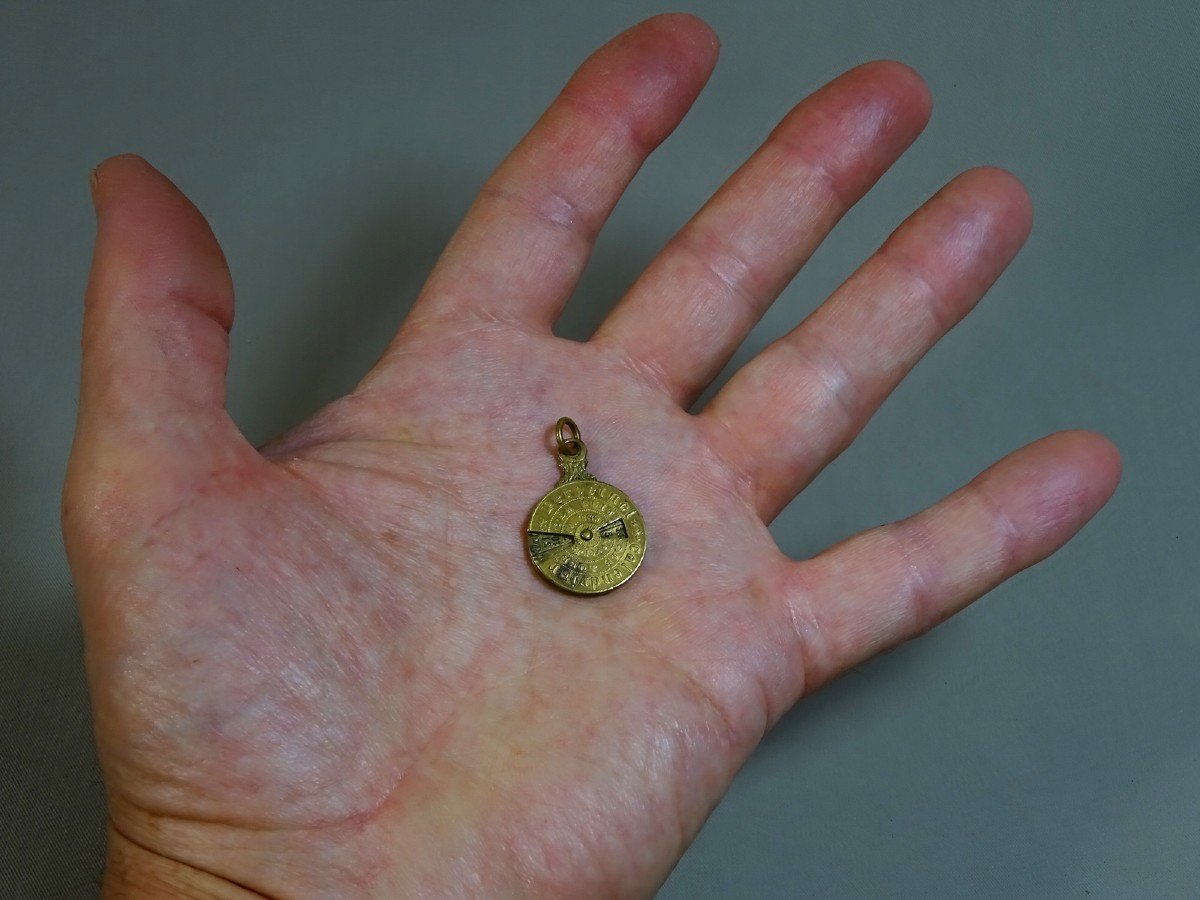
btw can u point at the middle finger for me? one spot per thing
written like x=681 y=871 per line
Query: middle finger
x=687 y=313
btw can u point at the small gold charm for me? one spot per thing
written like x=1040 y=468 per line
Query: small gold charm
x=585 y=536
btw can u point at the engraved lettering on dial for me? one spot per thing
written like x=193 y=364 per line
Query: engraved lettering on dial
x=543 y=544
x=614 y=529
x=586 y=537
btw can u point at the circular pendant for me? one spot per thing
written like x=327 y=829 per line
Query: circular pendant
x=585 y=536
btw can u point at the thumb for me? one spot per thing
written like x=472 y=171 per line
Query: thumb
x=157 y=313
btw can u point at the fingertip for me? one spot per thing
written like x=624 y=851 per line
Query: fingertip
x=889 y=98
x=124 y=161
x=683 y=44
x=964 y=236
x=116 y=169
x=1051 y=488
x=648 y=75
x=871 y=112
x=1001 y=192
x=856 y=125
x=687 y=28
x=1096 y=461
x=901 y=84
x=152 y=241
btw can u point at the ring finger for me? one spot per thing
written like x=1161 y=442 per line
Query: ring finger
x=796 y=405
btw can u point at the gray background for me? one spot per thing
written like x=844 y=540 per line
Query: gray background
x=1044 y=743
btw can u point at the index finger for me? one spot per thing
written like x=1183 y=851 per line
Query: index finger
x=524 y=242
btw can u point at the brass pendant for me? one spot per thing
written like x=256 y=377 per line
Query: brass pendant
x=585 y=536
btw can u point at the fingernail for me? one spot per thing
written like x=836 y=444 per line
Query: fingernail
x=93 y=185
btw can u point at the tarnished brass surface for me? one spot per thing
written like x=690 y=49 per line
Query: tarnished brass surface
x=585 y=536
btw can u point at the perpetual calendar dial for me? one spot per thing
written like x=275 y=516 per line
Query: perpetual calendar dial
x=585 y=536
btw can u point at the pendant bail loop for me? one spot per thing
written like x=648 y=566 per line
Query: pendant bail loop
x=572 y=452
x=567 y=436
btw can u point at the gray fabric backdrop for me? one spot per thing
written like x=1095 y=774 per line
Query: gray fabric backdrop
x=1044 y=744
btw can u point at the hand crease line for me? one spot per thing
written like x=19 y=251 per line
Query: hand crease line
x=187 y=865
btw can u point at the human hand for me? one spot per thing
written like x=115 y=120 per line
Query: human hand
x=326 y=669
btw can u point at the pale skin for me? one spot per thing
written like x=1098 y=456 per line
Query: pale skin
x=325 y=667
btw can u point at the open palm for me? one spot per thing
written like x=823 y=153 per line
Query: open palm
x=325 y=667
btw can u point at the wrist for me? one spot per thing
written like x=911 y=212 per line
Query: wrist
x=132 y=872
